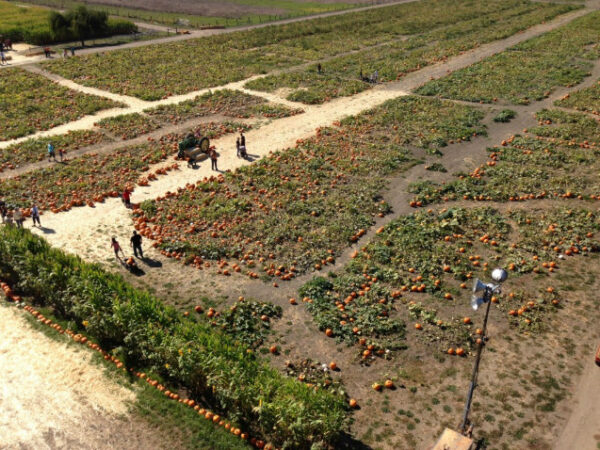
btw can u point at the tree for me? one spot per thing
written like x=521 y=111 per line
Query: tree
x=60 y=27
x=87 y=24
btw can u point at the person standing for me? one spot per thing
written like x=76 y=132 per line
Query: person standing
x=213 y=159
x=51 y=152
x=18 y=216
x=65 y=53
x=237 y=147
x=35 y=215
x=136 y=243
x=61 y=153
x=2 y=57
x=116 y=247
x=242 y=139
x=127 y=198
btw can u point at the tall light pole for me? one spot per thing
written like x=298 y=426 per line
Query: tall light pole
x=499 y=276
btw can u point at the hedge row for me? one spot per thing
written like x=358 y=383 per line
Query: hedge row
x=152 y=336
x=44 y=36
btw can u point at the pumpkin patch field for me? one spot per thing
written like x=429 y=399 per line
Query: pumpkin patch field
x=155 y=72
x=586 y=100
x=529 y=71
x=31 y=103
x=224 y=102
x=92 y=177
x=34 y=150
x=128 y=126
x=314 y=199
x=317 y=292
x=536 y=165
x=419 y=266
x=341 y=75
x=219 y=105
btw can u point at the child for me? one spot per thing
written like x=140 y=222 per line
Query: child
x=51 y=153
x=116 y=247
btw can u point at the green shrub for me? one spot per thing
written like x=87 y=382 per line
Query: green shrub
x=506 y=115
x=150 y=335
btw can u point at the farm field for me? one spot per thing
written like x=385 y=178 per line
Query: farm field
x=32 y=103
x=393 y=60
x=317 y=294
x=154 y=72
x=18 y=23
x=562 y=57
x=586 y=100
x=536 y=165
x=224 y=102
x=220 y=105
x=193 y=14
x=94 y=177
x=315 y=199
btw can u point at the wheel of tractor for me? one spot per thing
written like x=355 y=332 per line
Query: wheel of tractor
x=204 y=144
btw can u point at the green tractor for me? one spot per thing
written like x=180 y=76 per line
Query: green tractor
x=191 y=147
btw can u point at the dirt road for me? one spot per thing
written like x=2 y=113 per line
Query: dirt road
x=53 y=396
x=582 y=429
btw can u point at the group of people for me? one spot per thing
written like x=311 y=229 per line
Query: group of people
x=136 y=244
x=16 y=217
x=52 y=153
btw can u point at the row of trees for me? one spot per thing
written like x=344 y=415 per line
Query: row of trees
x=82 y=24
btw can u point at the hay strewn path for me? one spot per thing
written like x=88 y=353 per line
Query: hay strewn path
x=53 y=396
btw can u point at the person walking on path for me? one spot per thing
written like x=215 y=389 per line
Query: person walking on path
x=116 y=247
x=127 y=198
x=2 y=57
x=61 y=153
x=35 y=215
x=237 y=147
x=51 y=152
x=72 y=51
x=242 y=139
x=18 y=216
x=65 y=55
x=136 y=243
x=213 y=159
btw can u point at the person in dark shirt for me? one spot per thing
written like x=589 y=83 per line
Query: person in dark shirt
x=136 y=243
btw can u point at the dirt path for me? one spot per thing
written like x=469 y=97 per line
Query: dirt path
x=582 y=430
x=73 y=405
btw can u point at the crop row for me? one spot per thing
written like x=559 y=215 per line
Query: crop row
x=224 y=102
x=528 y=71
x=152 y=337
x=297 y=209
x=415 y=267
x=155 y=72
x=587 y=100
x=31 y=103
x=538 y=165
x=341 y=76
